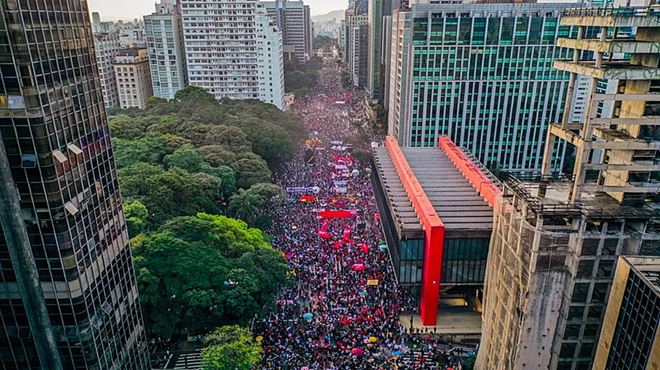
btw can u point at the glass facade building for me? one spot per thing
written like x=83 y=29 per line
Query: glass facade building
x=631 y=333
x=481 y=74
x=56 y=142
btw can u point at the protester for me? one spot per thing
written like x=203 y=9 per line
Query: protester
x=342 y=311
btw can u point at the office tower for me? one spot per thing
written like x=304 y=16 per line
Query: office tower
x=555 y=243
x=630 y=338
x=375 y=50
x=356 y=41
x=342 y=38
x=294 y=20
x=131 y=67
x=96 y=22
x=165 y=45
x=270 y=64
x=68 y=293
x=309 y=30
x=220 y=40
x=481 y=75
x=107 y=47
x=359 y=44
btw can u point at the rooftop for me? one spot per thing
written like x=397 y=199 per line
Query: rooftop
x=648 y=268
x=458 y=204
x=592 y=203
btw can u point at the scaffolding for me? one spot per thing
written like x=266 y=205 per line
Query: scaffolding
x=556 y=232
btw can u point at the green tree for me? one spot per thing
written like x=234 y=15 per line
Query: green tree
x=150 y=148
x=232 y=138
x=185 y=157
x=170 y=193
x=249 y=205
x=217 y=155
x=269 y=141
x=136 y=217
x=198 y=272
x=231 y=348
x=250 y=171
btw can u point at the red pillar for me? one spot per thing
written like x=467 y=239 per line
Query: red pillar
x=434 y=231
x=433 y=248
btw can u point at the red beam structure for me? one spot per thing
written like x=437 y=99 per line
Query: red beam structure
x=434 y=231
x=484 y=185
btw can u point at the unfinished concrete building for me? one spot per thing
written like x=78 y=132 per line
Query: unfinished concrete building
x=556 y=240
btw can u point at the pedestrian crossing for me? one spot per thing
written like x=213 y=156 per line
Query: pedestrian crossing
x=188 y=361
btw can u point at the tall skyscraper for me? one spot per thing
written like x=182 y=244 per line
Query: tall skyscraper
x=270 y=64
x=375 y=49
x=630 y=338
x=107 y=47
x=131 y=67
x=294 y=20
x=167 y=61
x=220 y=38
x=359 y=45
x=96 y=22
x=68 y=293
x=480 y=74
x=356 y=41
x=555 y=244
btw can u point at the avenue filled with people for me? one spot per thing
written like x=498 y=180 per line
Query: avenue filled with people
x=342 y=310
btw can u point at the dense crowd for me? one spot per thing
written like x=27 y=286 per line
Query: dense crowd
x=342 y=310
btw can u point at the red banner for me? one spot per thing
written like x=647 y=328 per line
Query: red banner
x=336 y=214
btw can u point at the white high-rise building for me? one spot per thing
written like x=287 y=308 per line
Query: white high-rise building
x=269 y=60
x=107 y=47
x=165 y=45
x=220 y=42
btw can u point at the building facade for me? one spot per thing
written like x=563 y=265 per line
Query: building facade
x=630 y=338
x=359 y=45
x=107 y=47
x=220 y=41
x=68 y=292
x=480 y=74
x=270 y=61
x=555 y=244
x=294 y=20
x=167 y=62
x=131 y=67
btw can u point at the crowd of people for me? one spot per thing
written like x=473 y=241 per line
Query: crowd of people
x=342 y=310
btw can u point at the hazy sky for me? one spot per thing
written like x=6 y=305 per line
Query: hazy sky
x=129 y=9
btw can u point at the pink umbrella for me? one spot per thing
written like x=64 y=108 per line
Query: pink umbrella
x=358 y=267
x=357 y=352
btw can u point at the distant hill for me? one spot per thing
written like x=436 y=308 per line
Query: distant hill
x=337 y=15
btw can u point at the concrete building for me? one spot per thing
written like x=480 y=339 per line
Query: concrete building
x=630 y=338
x=436 y=210
x=555 y=244
x=68 y=292
x=220 y=41
x=358 y=34
x=107 y=47
x=96 y=22
x=131 y=67
x=133 y=37
x=480 y=74
x=269 y=60
x=167 y=61
x=293 y=18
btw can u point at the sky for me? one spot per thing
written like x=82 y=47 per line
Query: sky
x=112 y=10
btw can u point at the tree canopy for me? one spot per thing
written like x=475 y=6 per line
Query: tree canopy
x=198 y=272
x=230 y=348
x=192 y=153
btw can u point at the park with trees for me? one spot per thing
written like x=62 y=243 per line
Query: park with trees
x=195 y=178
